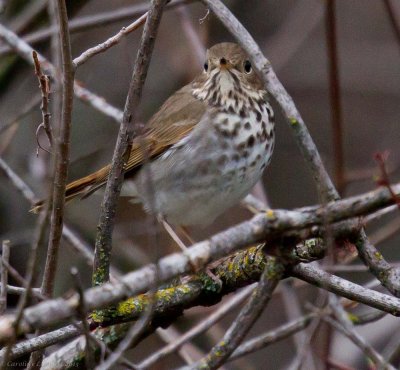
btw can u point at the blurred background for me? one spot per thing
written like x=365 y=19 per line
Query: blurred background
x=293 y=35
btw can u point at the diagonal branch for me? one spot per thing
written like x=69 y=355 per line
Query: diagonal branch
x=84 y=23
x=247 y=317
x=303 y=138
x=279 y=93
x=261 y=227
x=24 y=50
x=198 y=329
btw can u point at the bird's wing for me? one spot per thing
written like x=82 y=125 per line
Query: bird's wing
x=174 y=121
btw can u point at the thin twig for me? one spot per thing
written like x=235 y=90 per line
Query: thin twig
x=335 y=96
x=82 y=315
x=68 y=234
x=25 y=51
x=244 y=322
x=27 y=283
x=359 y=341
x=128 y=129
x=193 y=38
x=62 y=153
x=114 y=40
x=55 y=48
x=393 y=21
x=61 y=162
x=27 y=15
x=198 y=329
x=16 y=290
x=337 y=285
x=28 y=108
x=383 y=180
x=5 y=256
x=39 y=239
x=44 y=85
x=84 y=23
x=222 y=244
x=293 y=309
x=273 y=336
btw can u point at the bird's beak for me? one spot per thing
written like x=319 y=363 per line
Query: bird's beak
x=225 y=64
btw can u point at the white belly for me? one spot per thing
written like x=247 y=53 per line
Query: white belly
x=207 y=172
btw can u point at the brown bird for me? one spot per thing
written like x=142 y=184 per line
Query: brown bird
x=207 y=146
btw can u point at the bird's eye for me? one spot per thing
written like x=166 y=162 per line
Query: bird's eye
x=206 y=66
x=247 y=66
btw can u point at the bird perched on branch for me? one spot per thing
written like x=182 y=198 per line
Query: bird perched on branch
x=206 y=147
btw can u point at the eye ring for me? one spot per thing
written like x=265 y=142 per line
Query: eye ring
x=247 y=66
x=206 y=66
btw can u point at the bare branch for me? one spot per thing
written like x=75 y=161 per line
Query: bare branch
x=82 y=314
x=16 y=290
x=392 y=17
x=44 y=85
x=25 y=52
x=5 y=256
x=304 y=140
x=273 y=336
x=68 y=234
x=84 y=23
x=114 y=40
x=360 y=343
x=198 y=329
x=260 y=227
x=245 y=320
x=127 y=131
x=62 y=153
x=341 y=286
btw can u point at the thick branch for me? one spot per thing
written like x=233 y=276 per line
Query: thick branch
x=237 y=270
x=272 y=274
x=269 y=226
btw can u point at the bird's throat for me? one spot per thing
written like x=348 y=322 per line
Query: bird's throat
x=225 y=90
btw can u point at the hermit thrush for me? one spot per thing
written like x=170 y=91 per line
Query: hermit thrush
x=207 y=146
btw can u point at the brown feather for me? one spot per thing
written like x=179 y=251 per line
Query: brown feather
x=174 y=120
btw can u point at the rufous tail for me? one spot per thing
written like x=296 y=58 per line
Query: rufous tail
x=83 y=187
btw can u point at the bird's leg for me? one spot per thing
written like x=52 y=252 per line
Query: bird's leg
x=185 y=232
x=171 y=232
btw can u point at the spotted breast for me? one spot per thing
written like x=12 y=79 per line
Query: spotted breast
x=224 y=156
